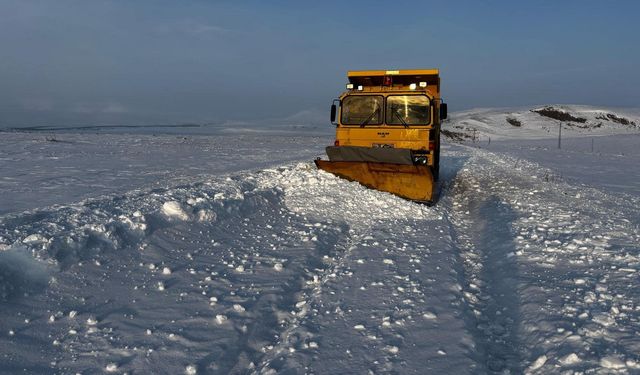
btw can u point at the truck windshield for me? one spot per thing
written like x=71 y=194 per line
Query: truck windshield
x=362 y=110
x=408 y=110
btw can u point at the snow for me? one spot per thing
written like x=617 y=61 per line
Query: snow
x=21 y=274
x=612 y=363
x=489 y=124
x=232 y=253
x=537 y=363
x=569 y=359
x=47 y=168
x=174 y=209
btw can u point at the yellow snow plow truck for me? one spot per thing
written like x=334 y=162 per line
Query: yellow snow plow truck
x=388 y=132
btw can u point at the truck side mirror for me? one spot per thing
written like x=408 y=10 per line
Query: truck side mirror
x=443 y=111
x=334 y=111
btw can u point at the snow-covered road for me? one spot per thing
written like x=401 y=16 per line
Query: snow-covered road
x=288 y=269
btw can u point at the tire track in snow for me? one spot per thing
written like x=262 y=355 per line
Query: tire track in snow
x=493 y=282
x=310 y=301
x=316 y=194
x=306 y=305
x=480 y=225
x=573 y=247
x=267 y=323
x=578 y=246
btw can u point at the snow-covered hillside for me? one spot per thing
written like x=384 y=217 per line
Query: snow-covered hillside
x=208 y=263
x=541 y=122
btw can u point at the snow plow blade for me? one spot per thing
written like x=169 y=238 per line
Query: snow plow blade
x=414 y=182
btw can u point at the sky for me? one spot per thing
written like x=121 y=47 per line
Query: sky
x=107 y=62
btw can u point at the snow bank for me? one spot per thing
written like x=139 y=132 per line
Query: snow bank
x=319 y=195
x=21 y=274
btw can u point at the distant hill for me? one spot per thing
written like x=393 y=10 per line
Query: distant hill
x=539 y=122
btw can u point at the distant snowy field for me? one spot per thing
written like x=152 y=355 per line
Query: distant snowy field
x=45 y=168
x=129 y=252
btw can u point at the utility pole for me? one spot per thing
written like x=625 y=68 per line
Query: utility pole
x=559 y=135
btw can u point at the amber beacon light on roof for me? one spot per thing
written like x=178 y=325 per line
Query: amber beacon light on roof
x=388 y=132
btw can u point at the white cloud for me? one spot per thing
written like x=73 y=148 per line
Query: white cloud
x=192 y=27
x=201 y=28
x=93 y=108
x=37 y=104
x=114 y=108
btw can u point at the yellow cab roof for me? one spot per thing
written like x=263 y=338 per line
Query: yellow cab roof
x=400 y=78
x=381 y=73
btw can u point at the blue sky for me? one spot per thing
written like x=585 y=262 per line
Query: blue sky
x=84 y=62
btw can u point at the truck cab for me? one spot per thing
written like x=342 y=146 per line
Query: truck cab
x=388 y=132
x=399 y=109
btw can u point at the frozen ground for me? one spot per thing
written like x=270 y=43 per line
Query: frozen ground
x=528 y=263
x=45 y=168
